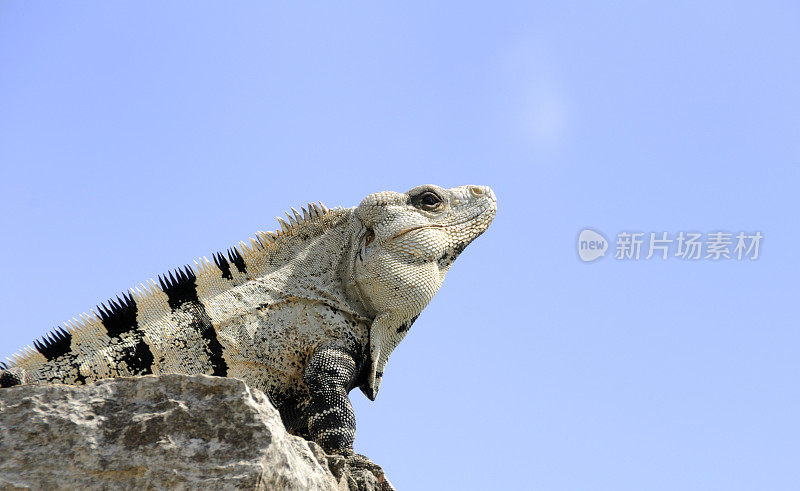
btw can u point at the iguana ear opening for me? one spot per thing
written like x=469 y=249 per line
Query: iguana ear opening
x=369 y=237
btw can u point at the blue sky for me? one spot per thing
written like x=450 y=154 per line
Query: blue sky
x=137 y=136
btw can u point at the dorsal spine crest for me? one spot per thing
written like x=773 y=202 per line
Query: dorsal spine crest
x=149 y=300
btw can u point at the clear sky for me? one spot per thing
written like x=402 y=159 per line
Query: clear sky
x=137 y=136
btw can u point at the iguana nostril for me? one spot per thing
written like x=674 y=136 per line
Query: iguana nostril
x=476 y=191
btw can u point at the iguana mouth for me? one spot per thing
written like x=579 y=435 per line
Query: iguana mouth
x=441 y=225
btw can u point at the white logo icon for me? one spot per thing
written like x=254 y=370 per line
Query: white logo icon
x=591 y=245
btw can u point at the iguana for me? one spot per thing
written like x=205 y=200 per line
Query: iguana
x=305 y=314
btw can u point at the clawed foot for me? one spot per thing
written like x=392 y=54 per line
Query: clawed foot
x=357 y=463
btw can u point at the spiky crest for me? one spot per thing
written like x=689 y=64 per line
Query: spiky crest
x=115 y=315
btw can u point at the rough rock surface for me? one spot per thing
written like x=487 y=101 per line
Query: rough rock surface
x=172 y=431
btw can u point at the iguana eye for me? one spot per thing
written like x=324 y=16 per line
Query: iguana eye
x=428 y=201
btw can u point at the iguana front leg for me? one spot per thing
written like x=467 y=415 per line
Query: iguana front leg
x=331 y=421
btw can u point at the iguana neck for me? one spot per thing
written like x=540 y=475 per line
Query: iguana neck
x=312 y=260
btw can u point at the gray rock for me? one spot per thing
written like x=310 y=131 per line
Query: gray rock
x=172 y=431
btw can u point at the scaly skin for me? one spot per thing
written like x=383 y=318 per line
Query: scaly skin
x=305 y=315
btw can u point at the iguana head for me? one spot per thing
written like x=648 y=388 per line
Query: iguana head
x=409 y=242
